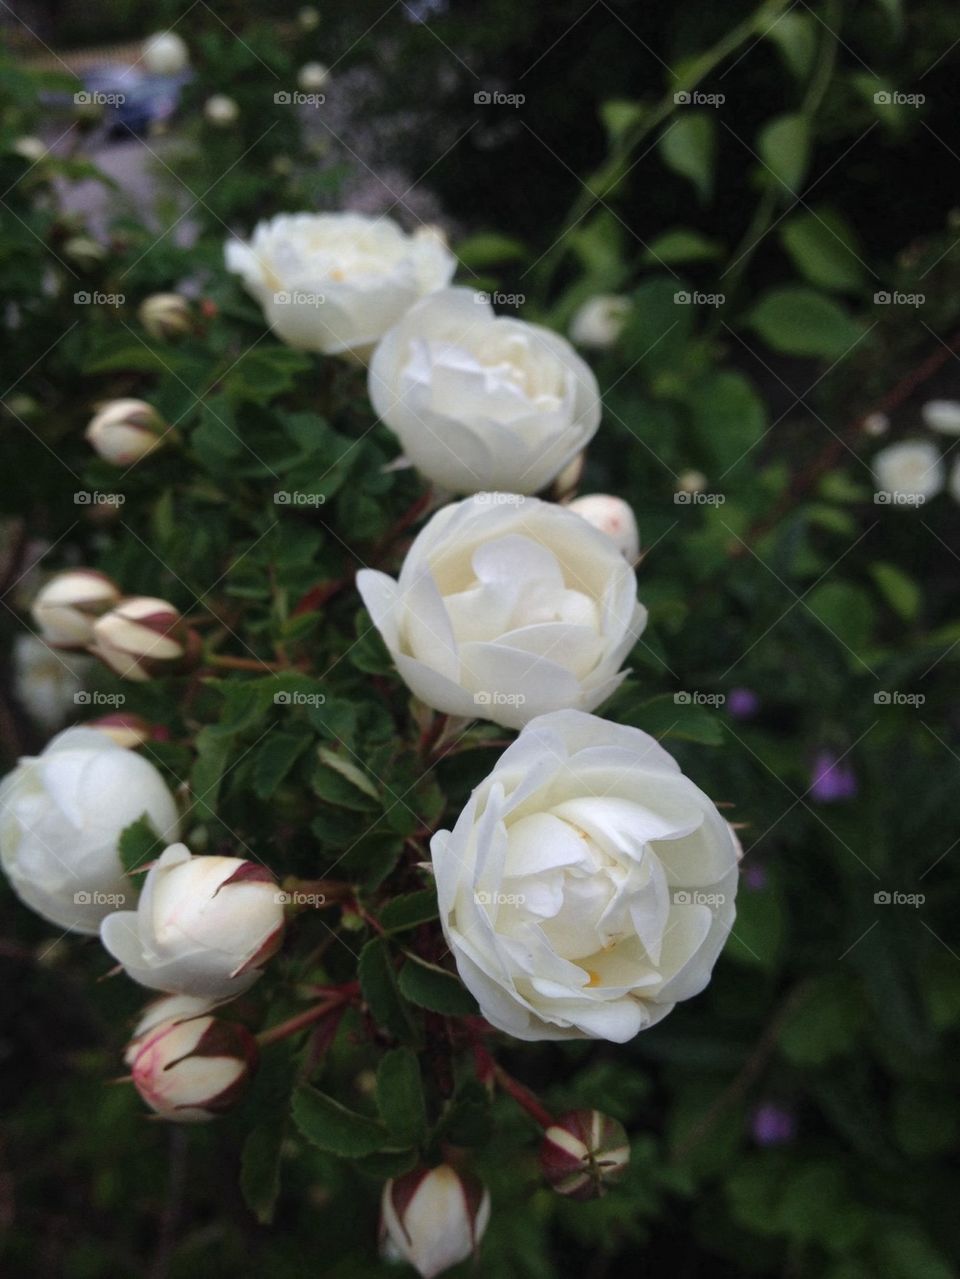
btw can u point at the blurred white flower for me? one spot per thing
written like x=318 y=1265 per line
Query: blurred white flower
x=910 y=469
x=599 y=322
x=124 y=431
x=942 y=416
x=46 y=683
x=312 y=77
x=221 y=111
x=613 y=516
x=165 y=53
x=66 y=608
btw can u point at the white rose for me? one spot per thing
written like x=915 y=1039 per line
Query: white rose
x=611 y=515
x=481 y=401
x=588 y=886
x=942 y=416
x=507 y=607
x=221 y=111
x=165 y=54
x=46 y=682
x=335 y=282
x=66 y=608
x=124 y=431
x=61 y=817
x=599 y=322
x=204 y=926
x=312 y=77
x=912 y=468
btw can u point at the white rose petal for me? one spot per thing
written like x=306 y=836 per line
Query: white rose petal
x=61 y=817
x=481 y=401
x=912 y=468
x=942 y=416
x=599 y=322
x=335 y=282
x=587 y=886
x=507 y=607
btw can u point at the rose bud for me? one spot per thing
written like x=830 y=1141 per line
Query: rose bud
x=433 y=1218
x=190 y=1071
x=583 y=1153
x=221 y=111
x=599 y=322
x=143 y=637
x=611 y=515
x=125 y=431
x=204 y=926
x=165 y=315
x=166 y=1010
x=66 y=608
x=126 y=730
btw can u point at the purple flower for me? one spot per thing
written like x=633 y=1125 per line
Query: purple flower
x=772 y=1125
x=742 y=703
x=755 y=877
x=831 y=780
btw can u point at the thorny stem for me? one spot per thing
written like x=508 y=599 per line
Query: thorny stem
x=338 y=998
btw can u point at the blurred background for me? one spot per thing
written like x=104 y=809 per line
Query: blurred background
x=773 y=191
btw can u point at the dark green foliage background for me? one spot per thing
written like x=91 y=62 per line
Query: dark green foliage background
x=797 y=586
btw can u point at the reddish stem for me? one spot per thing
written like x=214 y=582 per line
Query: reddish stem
x=338 y=997
x=521 y=1095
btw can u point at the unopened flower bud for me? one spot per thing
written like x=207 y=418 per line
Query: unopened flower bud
x=190 y=1071
x=142 y=637
x=221 y=111
x=125 y=431
x=165 y=315
x=599 y=322
x=165 y=54
x=126 y=730
x=85 y=252
x=67 y=607
x=166 y=1010
x=583 y=1153
x=433 y=1218
x=611 y=515
x=204 y=926
x=30 y=149
x=312 y=77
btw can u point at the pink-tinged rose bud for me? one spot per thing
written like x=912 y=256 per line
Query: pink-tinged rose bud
x=433 y=1218
x=583 y=1153
x=67 y=607
x=125 y=431
x=204 y=926
x=191 y=1070
x=130 y=731
x=611 y=515
x=143 y=637
x=165 y=315
x=164 y=1011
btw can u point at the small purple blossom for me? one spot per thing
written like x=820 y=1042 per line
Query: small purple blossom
x=742 y=703
x=755 y=877
x=831 y=780
x=772 y=1125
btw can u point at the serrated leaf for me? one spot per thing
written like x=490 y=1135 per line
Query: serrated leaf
x=276 y=755
x=347 y=769
x=260 y=1168
x=333 y=1127
x=378 y=981
x=409 y=910
x=434 y=988
x=400 y=1096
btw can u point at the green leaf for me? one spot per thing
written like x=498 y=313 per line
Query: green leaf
x=900 y=591
x=431 y=987
x=619 y=115
x=488 y=248
x=213 y=751
x=333 y=1127
x=378 y=981
x=139 y=844
x=400 y=1096
x=347 y=769
x=670 y=715
x=757 y=937
x=824 y=249
x=784 y=147
x=728 y=417
x=260 y=1168
x=658 y=329
x=276 y=755
x=795 y=36
x=825 y=1024
x=680 y=245
x=799 y=321
x=688 y=147
x=409 y=910
x=265 y=372
x=846 y=612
